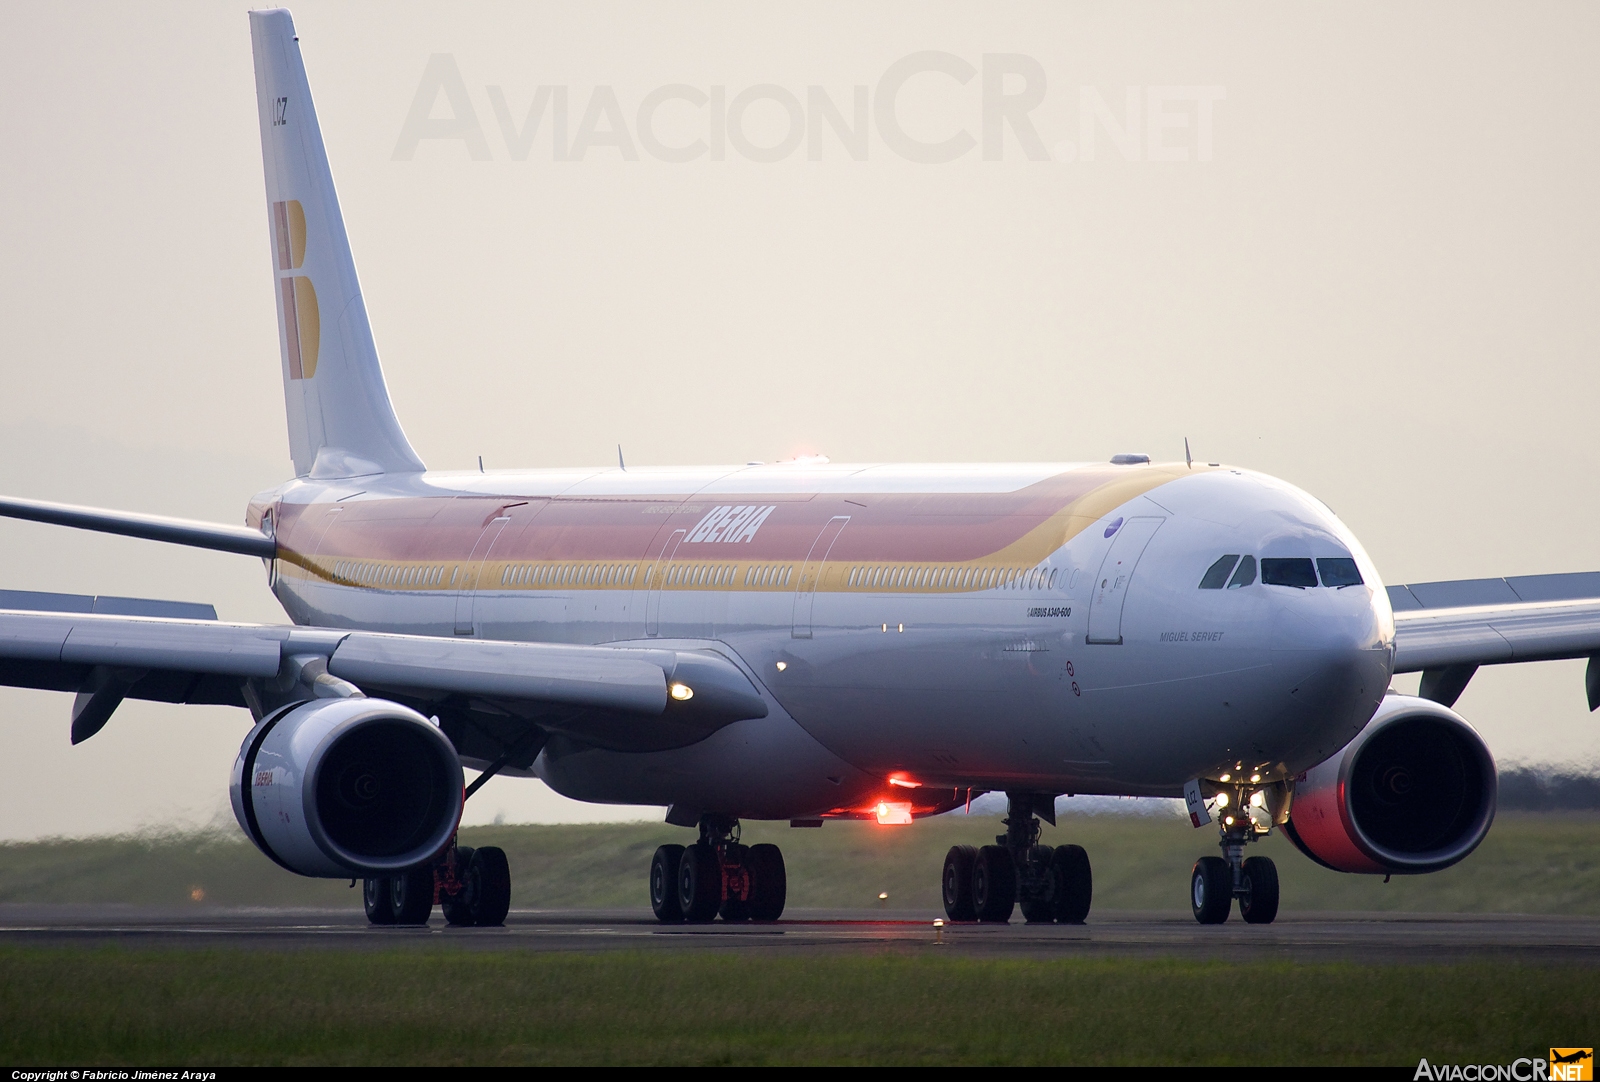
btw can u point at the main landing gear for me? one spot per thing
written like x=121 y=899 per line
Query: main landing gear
x=1053 y=883
x=471 y=886
x=717 y=876
x=1217 y=881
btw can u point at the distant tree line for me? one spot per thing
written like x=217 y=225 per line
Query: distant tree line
x=1525 y=788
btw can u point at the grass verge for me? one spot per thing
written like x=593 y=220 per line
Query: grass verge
x=109 y=1006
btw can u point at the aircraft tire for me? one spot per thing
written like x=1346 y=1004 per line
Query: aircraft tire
x=1211 y=890
x=771 y=887
x=488 y=890
x=664 y=884
x=994 y=884
x=454 y=906
x=375 y=900
x=1259 y=903
x=1037 y=891
x=736 y=909
x=411 y=895
x=957 y=883
x=1073 y=881
x=699 y=884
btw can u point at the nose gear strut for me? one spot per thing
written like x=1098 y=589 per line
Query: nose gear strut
x=1217 y=881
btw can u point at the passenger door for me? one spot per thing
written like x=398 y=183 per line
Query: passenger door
x=1110 y=589
x=805 y=593
x=657 y=572
x=473 y=572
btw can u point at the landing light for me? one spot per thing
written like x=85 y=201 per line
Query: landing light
x=1229 y=820
x=782 y=665
x=1258 y=800
x=1254 y=778
x=1222 y=798
x=1226 y=778
x=682 y=692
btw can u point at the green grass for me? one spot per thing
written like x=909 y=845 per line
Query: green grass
x=1530 y=863
x=103 y=1007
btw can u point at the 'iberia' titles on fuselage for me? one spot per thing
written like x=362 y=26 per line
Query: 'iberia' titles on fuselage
x=894 y=611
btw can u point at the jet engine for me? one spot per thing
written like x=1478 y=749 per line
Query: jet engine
x=340 y=788
x=1413 y=792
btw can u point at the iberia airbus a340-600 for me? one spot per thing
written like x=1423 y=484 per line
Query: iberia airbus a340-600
x=804 y=641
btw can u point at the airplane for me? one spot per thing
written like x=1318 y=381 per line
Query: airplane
x=801 y=640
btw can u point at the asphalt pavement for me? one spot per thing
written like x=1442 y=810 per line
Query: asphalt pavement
x=1393 y=938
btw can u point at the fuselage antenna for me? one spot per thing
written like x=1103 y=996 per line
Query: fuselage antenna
x=480 y=463
x=1188 y=459
x=621 y=465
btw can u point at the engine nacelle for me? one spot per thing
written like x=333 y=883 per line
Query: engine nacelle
x=347 y=787
x=1413 y=792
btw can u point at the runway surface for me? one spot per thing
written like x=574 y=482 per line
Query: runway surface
x=1324 y=937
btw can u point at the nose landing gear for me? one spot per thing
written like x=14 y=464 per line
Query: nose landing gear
x=717 y=876
x=1217 y=881
x=1053 y=883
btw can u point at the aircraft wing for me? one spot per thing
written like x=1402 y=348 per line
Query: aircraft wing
x=1445 y=630
x=617 y=697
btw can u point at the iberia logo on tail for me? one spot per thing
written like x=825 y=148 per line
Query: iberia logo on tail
x=302 y=323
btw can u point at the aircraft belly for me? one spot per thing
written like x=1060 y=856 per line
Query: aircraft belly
x=766 y=768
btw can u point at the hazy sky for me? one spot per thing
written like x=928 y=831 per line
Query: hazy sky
x=1352 y=245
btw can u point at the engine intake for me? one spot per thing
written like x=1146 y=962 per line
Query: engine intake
x=1413 y=792
x=347 y=787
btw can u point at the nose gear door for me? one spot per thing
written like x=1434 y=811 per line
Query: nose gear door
x=1110 y=589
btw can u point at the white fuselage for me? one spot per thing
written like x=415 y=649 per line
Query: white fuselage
x=1093 y=664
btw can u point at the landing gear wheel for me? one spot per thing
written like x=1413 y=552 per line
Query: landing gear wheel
x=958 y=883
x=411 y=895
x=1073 y=883
x=699 y=883
x=735 y=908
x=1259 y=902
x=1038 y=893
x=994 y=884
x=454 y=906
x=375 y=899
x=770 y=889
x=488 y=893
x=664 y=884
x=1211 y=890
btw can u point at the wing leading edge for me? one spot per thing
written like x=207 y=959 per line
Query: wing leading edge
x=613 y=697
x=1446 y=630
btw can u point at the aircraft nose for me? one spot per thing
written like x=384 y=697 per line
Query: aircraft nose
x=1331 y=653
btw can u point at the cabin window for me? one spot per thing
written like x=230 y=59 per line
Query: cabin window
x=1294 y=571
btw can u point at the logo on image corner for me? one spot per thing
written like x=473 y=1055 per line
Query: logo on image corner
x=1571 y=1064
x=302 y=323
x=1564 y=1065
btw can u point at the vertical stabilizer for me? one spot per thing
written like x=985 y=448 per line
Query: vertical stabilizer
x=341 y=423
